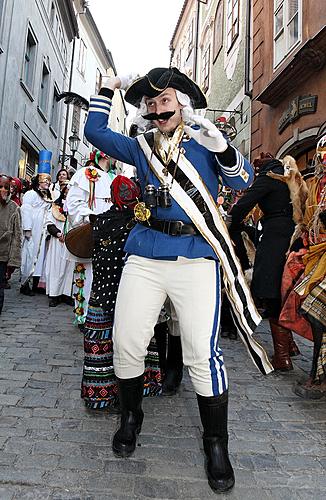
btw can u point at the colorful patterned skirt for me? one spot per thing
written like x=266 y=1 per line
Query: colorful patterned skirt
x=99 y=385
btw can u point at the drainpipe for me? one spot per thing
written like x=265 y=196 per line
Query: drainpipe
x=248 y=91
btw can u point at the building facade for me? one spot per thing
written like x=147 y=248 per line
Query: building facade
x=289 y=77
x=35 y=45
x=91 y=61
x=211 y=45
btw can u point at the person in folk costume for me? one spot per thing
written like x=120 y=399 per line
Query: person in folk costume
x=89 y=194
x=273 y=199
x=35 y=208
x=62 y=177
x=99 y=384
x=304 y=280
x=176 y=250
x=59 y=271
x=10 y=234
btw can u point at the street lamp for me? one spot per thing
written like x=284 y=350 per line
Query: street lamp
x=74 y=143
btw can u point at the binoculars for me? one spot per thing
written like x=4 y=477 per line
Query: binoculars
x=157 y=197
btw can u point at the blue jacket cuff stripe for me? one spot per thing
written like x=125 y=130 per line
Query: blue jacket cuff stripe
x=101 y=98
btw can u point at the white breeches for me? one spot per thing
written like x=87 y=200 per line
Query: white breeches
x=193 y=286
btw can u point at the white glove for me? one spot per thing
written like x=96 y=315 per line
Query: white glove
x=207 y=135
x=126 y=80
x=110 y=82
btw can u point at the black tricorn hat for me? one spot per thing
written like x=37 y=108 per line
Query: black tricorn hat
x=159 y=79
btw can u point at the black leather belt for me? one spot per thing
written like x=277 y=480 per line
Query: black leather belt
x=171 y=227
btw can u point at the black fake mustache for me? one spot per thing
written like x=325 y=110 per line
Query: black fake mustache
x=161 y=116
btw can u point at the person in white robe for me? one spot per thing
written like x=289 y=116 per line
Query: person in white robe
x=89 y=193
x=35 y=208
x=59 y=269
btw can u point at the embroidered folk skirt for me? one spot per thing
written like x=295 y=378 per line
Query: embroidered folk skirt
x=99 y=385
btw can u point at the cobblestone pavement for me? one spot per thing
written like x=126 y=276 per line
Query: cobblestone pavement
x=51 y=447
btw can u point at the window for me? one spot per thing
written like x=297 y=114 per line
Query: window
x=232 y=22
x=206 y=68
x=190 y=37
x=55 y=110
x=75 y=122
x=218 y=30
x=52 y=14
x=58 y=31
x=44 y=91
x=98 y=83
x=178 y=60
x=29 y=59
x=1 y=9
x=82 y=57
x=85 y=141
x=287 y=31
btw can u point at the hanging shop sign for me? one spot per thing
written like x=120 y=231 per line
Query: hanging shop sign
x=301 y=105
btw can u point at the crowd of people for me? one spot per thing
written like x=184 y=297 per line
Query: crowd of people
x=160 y=264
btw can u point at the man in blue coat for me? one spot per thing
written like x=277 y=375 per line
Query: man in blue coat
x=176 y=250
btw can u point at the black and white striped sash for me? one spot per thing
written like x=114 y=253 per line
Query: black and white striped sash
x=210 y=224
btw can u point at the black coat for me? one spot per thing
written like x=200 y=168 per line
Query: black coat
x=273 y=198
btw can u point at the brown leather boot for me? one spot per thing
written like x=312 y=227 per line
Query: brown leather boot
x=281 y=340
x=293 y=348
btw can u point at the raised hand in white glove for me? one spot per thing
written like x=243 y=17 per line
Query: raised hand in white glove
x=126 y=80
x=111 y=82
x=207 y=135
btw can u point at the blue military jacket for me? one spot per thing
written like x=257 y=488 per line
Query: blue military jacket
x=144 y=241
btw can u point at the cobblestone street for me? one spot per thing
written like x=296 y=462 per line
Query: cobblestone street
x=53 y=448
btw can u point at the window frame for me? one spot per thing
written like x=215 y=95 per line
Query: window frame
x=218 y=42
x=235 y=22
x=98 y=80
x=44 y=109
x=81 y=65
x=206 y=68
x=28 y=83
x=2 y=10
x=285 y=29
x=190 y=37
x=55 y=126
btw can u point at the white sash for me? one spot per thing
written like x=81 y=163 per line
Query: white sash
x=235 y=284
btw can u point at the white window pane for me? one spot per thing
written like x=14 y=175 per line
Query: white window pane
x=229 y=10
x=278 y=3
x=292 y=8
x=279 y=48
x=278 y=20
x=293 y=31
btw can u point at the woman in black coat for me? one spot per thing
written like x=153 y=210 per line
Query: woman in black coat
x=273 y=199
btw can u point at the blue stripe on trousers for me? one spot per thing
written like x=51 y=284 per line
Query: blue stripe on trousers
x=216 y=353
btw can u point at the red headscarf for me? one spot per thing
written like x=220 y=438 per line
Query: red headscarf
x=18 y=185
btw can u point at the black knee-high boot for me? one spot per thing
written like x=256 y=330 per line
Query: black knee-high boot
x=214 y=414
x=173 y=366
x=130 y=396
